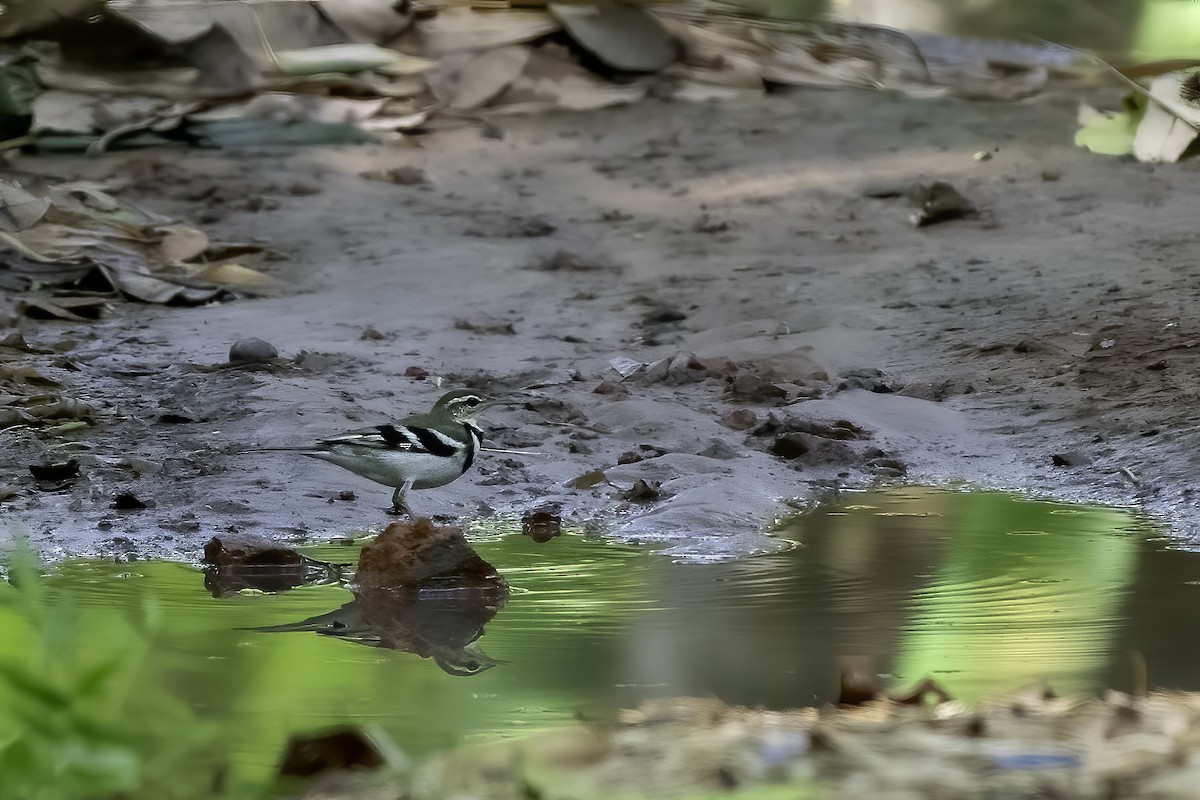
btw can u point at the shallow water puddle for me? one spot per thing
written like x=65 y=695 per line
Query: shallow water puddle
x=982 y=591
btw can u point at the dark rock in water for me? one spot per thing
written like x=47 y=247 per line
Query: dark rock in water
x=410 y=554
x=340 y=748
x=234 y=563
x=541 y=525
x=250 y=350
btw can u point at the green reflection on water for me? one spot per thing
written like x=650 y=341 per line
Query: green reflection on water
x=986 y=592
x=997 y=592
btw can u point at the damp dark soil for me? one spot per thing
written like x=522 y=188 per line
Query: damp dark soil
x=799 y=335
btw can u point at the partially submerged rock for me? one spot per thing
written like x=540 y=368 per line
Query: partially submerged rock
x=411 y=554
x=242 y=561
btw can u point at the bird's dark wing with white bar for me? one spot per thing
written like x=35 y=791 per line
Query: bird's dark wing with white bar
x=406 y=438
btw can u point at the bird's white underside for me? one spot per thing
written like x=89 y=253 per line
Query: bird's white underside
x=366 y=455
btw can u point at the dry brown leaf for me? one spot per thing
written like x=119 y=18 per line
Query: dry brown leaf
x=463 y=29
x=350 y=58
x=368 y=20
x=23 y=374
x=231 y=273
x=19 y=209
x=182 y=243
x=75 y=309
x=472 y=80
x=622 y=36
x=85 y=231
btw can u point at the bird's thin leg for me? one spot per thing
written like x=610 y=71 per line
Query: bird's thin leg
x=399 y=507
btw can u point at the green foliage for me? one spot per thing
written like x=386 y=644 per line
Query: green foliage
x=77 y=717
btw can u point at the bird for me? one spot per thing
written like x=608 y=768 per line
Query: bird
x=422 y=451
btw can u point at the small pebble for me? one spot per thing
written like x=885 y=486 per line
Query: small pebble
x=251 y=349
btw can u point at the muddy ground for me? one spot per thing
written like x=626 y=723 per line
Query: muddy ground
x=863 y=349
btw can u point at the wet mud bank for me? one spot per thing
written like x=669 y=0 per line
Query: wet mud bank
x=694 y=312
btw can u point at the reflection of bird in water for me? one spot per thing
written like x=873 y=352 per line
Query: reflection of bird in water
x=421 y=589
x=441 y=620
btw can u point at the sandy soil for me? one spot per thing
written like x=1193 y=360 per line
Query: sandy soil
x=1055 y=322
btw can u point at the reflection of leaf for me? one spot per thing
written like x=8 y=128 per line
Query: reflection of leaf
x=1109 y=134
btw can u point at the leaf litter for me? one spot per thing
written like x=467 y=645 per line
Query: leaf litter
x=87 y=246
x=278 y=72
